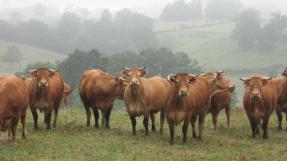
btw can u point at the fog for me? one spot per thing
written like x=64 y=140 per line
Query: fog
x=148 y=7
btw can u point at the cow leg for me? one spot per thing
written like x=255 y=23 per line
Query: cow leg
x=145 y=123
x=227 y=112
x=162 y=119
x=152 y=117
x=201 y=125
x=56 y=110
x=96 y=116
x=88 y=114
x=13 y=129
x=107 y=118
x=134 y=123
x=35 y=117
x=286 y=120
x=171 y=131
x=9 y=133
x=253 y=126
x=23 y=122
x=185 y=129
x=279 y=117
x=193 y=120
x=214 y=115
x=103 y=118
x=48 y=119
x=265 y=127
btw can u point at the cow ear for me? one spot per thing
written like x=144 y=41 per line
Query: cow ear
x=246 y=81
x=172 y=78
x=52 y=72
x=266 y=80
x=33 y=72
x=192 y=78
x=285 y=72
x=143 y=71
x=125 y=73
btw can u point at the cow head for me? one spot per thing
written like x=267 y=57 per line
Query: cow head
x=218 y=82
x=255 y=85
x=42 y=76
x=133 y=76
x=182 y=82
x=285 y=72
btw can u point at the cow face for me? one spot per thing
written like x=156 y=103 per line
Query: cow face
x=255 y=85
x=182 y=81
x=42 y=76
x=133 y=75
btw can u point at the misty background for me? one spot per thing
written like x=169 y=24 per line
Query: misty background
x=240 y=37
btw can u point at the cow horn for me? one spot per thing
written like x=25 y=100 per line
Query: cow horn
x=267 y=78
x=125 y=68
x=52 y=70
x=170 y=75
x=192 y=75
x=31 y=71
x=244 y=79
x=202 y=74
x=220 y=72
x=142 y=68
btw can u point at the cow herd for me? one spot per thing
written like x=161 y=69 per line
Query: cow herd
x=181 y=97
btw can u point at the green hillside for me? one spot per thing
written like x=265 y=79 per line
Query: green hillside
x=212 y=46
x=30 y=55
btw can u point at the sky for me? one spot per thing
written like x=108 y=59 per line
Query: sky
x=149 y=7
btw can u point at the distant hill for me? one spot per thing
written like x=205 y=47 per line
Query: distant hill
x=212 y=46
x=30 y=55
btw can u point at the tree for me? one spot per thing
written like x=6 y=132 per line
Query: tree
x=247 y=29
x=182 y=11
x=274 y=33
x=12 y=55
x=79 y=61
x=223 y=9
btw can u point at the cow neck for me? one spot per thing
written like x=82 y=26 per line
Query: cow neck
x=176 y=100
x=255 y=103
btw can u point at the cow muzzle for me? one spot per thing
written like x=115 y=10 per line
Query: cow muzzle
x=43 y=84
x=134 y=82
x=183 y=92
x=256 y=95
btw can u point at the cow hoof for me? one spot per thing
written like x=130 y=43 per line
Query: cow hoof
x=55 y=126
x=171 y=142
x=161 y=131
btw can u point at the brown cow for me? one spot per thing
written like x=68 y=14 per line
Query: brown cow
x=14 y=100
x=46 y=91
x=190 y=97
x=99 y=90
x=260 y=99
x=281 y=82
x=219 y=101
x=67 y=91
x=144 y=96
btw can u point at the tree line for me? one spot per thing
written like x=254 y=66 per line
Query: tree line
x=214 y=10
x=251 y=33
x=126 y=30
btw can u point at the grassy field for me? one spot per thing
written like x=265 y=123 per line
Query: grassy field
x=30 y=55
x=72 y=141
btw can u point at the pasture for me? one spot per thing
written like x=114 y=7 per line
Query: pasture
x=72 y=141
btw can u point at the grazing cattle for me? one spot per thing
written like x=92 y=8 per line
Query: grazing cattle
x=190 y=97
x=281 y=83
x=67 y=91
x=14 y=100
x=219 y=101
x=46 y=87
x=144 y=96
x=99 y=90
x=260 y=99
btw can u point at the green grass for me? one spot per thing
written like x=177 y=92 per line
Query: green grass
x=30 y=55
x=73 y=141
